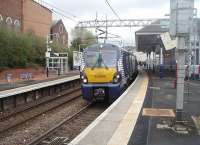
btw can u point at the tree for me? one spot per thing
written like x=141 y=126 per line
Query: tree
x=82 y=38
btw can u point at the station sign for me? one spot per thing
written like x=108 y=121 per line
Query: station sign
x=168 y=42
x=77 y=57
x=47 y=54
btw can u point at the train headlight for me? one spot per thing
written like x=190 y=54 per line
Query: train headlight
x=116 y=78
x=84 y=78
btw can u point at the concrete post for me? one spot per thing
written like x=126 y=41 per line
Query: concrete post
x=151 y=60
x=180 y=77
x=161 y=56
x=154 y=60
x=147 y=62
x=47 y=67
x=161 y=62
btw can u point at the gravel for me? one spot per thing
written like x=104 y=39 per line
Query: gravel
x=24 y=133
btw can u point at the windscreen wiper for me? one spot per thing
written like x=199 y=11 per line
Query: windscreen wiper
x=99 y=61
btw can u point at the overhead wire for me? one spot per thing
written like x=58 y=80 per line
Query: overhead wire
x=57 y=10
x=113 y=10
x=115 y=13
x=67 y=17
x=64 y=11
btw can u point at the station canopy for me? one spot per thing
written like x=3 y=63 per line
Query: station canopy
x=149 y=37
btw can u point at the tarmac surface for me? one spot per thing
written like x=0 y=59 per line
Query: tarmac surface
x=165 y=97
x=162 y=94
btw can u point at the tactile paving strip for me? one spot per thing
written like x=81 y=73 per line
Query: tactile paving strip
x=155 y=112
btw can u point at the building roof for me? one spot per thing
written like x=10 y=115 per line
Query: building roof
x=55 y=22
x=148 y=38
x=155 y=29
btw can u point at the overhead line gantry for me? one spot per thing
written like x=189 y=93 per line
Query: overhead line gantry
x=119 y=23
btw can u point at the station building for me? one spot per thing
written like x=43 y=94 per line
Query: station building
x=58 y=28
x=149 y=40
x=26 y=16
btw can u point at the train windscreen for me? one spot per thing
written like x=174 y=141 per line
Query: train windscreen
x=104 y=58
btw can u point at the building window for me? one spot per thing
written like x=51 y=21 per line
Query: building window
x=61 y=29
x=9 y=21
x=63 y=41
x=1 y=18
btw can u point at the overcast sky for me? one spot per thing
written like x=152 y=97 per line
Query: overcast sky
x=86 y=10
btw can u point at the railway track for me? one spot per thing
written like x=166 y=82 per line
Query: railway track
x=10 y=121
x=70 y=127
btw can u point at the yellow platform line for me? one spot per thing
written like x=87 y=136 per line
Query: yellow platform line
x=126 y=127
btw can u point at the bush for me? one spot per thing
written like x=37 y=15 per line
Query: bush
x=20 y=50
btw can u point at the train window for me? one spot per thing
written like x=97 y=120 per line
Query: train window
x=91 y=58
x=106 y=58
x=110 y=58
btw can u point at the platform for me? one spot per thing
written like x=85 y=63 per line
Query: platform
x=165 y=97
x=22 y=83
x=28 y=88
x=116 y=124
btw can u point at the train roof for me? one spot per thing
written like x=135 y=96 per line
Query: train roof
x=106 y=46
x=102 y=46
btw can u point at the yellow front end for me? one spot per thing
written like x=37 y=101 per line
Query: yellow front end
x=100 y=75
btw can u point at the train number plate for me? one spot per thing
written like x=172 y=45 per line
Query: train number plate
x=99 y=92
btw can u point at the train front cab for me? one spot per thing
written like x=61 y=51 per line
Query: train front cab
x=102 y=85
x=101 y=92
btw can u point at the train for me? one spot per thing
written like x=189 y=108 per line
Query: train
x=105 y=72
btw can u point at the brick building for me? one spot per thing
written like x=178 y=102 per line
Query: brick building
x=26 y=15
x=58 y=27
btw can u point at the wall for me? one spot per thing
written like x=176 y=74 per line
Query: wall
x=10 y=8
x=10 y=12
x=37 y=18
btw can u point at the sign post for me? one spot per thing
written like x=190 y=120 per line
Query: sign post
x=181 y=14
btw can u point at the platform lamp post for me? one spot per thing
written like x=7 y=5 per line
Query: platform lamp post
x=161 y=60
x=181 y=14
x=48 y=51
